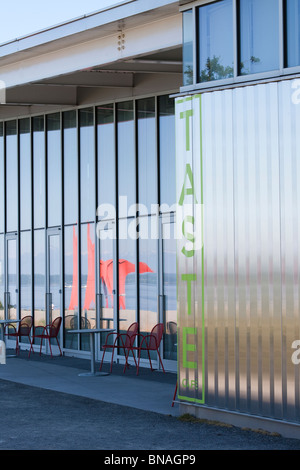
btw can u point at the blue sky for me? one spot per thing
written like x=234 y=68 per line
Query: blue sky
x=21 y=17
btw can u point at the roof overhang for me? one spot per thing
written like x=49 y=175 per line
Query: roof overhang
x=110 y=53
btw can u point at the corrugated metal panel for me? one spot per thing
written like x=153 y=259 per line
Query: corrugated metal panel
x=218 y=248
x=257 y=248
x=189 y=249
x=289 y=137
x=251 y=196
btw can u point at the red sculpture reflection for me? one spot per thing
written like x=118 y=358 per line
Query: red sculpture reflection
x=106 y=275
x=90 y=284
x=74 y=293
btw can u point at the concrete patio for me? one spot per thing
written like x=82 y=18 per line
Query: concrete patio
x=46 y=405
x=149 y=391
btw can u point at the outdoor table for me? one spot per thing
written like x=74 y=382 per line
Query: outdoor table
x=2 y=325
x=92 y=333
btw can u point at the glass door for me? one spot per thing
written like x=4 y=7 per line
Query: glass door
x=54 y=280
x=11 y=294
x=106 y=292
x=168 y=296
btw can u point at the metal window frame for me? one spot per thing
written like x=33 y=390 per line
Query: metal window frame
x=237 y=79
x=52 y=230
x=60 y=228
x=13 y=234
x=26 y=230
x=82 y=223
x=75 y=224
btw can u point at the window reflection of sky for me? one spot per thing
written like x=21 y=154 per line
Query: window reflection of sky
x=293 y=33
x=259 y=37
x=216 y=41
x=155 y=158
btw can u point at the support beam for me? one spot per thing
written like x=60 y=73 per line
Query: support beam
x=138 y=41
x=93 y=78
x=42 y=94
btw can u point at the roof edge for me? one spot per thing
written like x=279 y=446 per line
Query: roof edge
x=113 y=13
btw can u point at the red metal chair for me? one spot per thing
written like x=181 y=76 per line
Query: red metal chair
x=123 y=341
x=49 y=332
x=24 y=329
x=151 y=342
x=175 y=393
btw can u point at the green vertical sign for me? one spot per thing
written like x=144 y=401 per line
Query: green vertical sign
x=190 y=250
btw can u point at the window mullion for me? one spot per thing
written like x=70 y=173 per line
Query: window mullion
x=235 y=39
x=195 y=47
x=281 y=36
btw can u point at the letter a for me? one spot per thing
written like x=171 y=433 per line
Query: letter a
x=188 y=191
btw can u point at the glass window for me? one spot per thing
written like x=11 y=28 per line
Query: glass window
x=106 y=155
x=53 y=170
x=12 y=277
x=259 y=36
x=87 y=165
x=166 y=121
x=88 y=299
x=1 y=178
x=11 y=176
x=147 y=155
x=169 y=286
x=54 y=275
x=25 y=174
x=71 y=285
x=2 y=277
x=70 y=168
x=292 y=33
x=39 y=278
x=215 y=41
x=39 y=171
x=188 y=33
x=107 y=276
x=148 y=278
x=25 y=274
x=126 y=275
x=126 y=156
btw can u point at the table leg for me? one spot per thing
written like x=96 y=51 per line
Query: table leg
x=93 y=373
x=2 y=332
x=2 y=337
x=92 y=346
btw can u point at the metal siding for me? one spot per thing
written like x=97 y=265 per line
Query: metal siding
x=191 y=383
x=257 y=245
x=289 y=178
x=218 y=248
x=251 y=199
x=184 y=264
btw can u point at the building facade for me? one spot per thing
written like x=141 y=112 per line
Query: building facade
x=149 y=172
x=237 y=120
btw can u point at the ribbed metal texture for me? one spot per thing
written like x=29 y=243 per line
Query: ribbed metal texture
x=251 y=197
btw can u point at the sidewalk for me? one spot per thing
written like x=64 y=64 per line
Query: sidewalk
x=45 y=405
x=149 y=391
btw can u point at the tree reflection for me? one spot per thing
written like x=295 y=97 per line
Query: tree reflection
x=214 y=70
x=246 y=71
